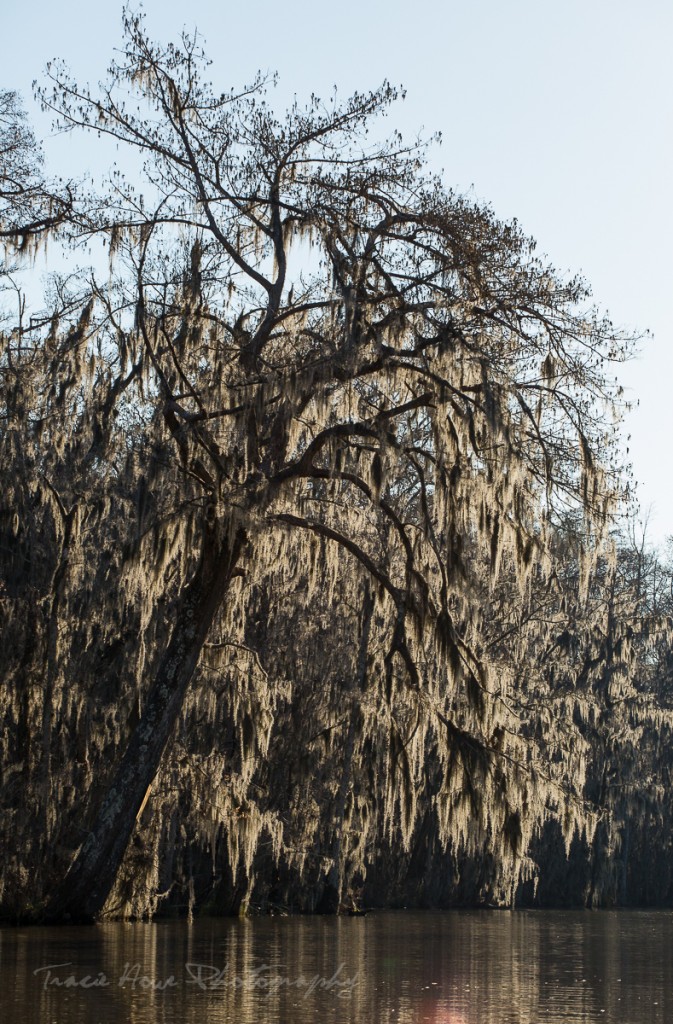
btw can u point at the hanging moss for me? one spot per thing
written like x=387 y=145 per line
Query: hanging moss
x=319 y=485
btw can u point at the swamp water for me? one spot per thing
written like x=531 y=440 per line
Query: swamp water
x=523 y=967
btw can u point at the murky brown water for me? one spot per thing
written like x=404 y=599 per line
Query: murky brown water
x=443 y=968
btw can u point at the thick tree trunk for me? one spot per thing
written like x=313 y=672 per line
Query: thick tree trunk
x=88 y=883
x=332 y=895
x=596 y=854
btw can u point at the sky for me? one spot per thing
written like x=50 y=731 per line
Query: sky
x=558 y=114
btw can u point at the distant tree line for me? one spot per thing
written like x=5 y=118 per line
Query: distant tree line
x=316 y=591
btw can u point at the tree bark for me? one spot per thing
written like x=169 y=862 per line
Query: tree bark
x=332 y=895
x=87 y=885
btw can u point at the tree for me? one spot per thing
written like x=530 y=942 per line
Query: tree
x=310 y=359
x=30 y=206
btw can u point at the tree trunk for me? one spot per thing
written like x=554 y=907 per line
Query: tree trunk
x=87 y=885
x=595 y=894
x=332 y=895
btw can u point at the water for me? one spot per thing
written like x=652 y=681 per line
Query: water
x=443 y=968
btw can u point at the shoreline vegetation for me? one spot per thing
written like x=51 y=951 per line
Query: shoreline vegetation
x=320 y=587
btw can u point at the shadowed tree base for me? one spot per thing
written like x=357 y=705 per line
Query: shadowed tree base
x=86 y=887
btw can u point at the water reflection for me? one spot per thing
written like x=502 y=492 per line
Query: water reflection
x=443 y=968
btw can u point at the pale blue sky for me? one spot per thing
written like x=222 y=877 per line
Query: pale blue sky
x=558 y=114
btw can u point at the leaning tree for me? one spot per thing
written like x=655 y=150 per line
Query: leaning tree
x=310 y=363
